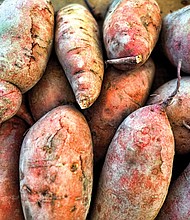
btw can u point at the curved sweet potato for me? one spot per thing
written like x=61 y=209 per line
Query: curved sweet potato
x=177 y=111
x=26 y=36
x=137 y=170
x=56 y=166
x=10 y=100
x=78 y=47
x=122 y=93
x=52 y=90
x=11 y=137
x=177 y=203
x=175 y=37
x=130 y=32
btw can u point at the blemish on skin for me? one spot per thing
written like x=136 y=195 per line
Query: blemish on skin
x=142 y=137
x=74 y=167
x=73 y=208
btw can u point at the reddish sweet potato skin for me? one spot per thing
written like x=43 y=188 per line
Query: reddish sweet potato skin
x=10 y=100
x=11 y=136
x=26 y=38
x=175 y=37
x=118 y=98
x=131 y=28
x=56 y=166
x=177 y=111
x=137 y=170
x=79 y=50
x=177 y=203
x=52 y=90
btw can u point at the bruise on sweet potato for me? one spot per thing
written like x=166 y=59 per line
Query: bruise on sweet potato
x=52 y=90
x=11 y=136
x=175 y=37
x=177 y=203
x=10 y=100
x=137 y=170
x=56 y=166
x=122 y=93
x=177 y=111
x=130 y=32
x=78 y=47
x=26 y=37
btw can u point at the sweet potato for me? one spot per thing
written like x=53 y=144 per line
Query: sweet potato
x=10 y=100
x=26 y=36
x=137 y=170
x=130 y=32
x=78 y=47
x=175 y=37
x=11 y=136
x=24 y=111
x=122 y=93
x=56 y=166
x=52 y=90
x=177 y=203
x=178 y=111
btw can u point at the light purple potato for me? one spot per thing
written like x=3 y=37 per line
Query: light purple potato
x=56 y=164
x=175 y=37
x=177 y=111
x=177 y=203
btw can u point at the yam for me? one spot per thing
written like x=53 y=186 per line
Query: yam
x=78 y=48
x=56 y=164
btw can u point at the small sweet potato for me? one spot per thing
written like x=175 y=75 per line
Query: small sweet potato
x=122 y=93
x=11 y=137
x=130 y=32
x=78 y=48
x=26 y=37
x=10 y=100
x=175 y=37
x=52 y=90
x=177 y=203
x=56 y=166
x=177 y=111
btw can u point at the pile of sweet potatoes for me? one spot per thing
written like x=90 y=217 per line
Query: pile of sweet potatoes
x=94 y=104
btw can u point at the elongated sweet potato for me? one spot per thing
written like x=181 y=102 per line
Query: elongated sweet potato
x=122 y=93
x=130 y=32
x=177 y=203
x=175 y=37
x=11 y=137
x=52 y=90
x=178 y=111
x=10 y=100
x=26 y=36
x=56 y=166
x=137 y=171
x=78 y=47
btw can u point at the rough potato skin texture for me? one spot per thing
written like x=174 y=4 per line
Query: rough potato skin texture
x=131 y=28
x=177 y=203
x=56 y=167
x=78 y=47
x=118 y=98
x=138 y=166
x=11 y=136
x=175 y=37
x=177 y=111
x=26 y=36
x=52 y=90
x=10 y=100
